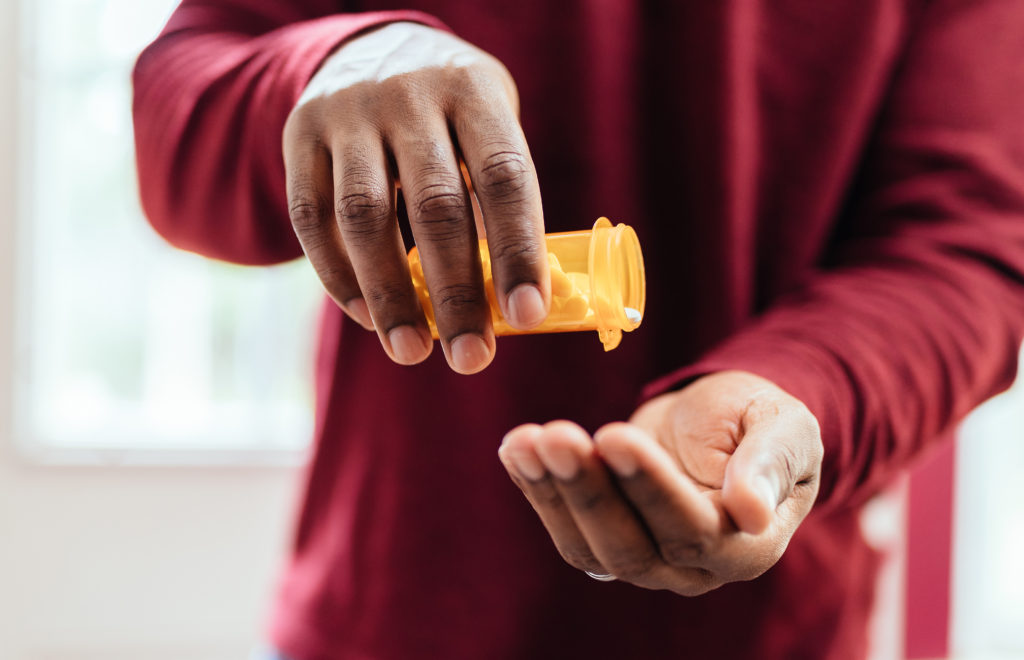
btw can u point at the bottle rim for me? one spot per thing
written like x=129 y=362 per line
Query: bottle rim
x=617 y=280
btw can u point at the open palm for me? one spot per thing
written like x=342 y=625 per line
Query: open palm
x=701 y=487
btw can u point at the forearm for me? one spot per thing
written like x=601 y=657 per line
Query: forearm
x=918 y=314
x=212 y=94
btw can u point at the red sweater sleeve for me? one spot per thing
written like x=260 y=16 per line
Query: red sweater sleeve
x=918 y=315
x=212 y=94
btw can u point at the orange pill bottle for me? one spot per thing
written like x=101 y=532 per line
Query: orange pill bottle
x=597 y=283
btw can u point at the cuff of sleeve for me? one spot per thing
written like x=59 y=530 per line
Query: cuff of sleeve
x=299 y=48
x=798 y=367
x=311 y=42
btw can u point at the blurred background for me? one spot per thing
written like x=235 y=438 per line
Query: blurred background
x=155 y=406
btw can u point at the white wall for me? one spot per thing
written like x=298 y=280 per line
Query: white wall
x=123 y=563
x=988 y=575
x=136 y=563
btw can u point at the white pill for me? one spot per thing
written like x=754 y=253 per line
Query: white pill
x=633 y=315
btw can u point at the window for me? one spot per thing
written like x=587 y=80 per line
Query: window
x=988 y=576
x=125 y=343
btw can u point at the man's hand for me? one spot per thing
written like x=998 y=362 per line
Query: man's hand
x=702 y=487
x=404 y=104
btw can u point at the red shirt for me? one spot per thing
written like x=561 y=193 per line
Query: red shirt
x=829 y=194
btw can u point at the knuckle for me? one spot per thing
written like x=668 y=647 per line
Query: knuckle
x=387 y=295
x=514 y=247
x=301 y=122
x=542 y=492
x=548 y=499
x=482 y=81
x=470 y=81
x=433 y=153
x=807 y=451
x=786 y=462
x=363 y=211
x=441 y=229
x=441 y=200
x=362 y=205
x=308 y=211
x=683 y=552
x=504 y=175
x=405 y=95
x=457 y=299
x=591 y=500
x=441 y=211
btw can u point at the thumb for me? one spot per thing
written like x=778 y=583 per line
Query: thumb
x=776 y=451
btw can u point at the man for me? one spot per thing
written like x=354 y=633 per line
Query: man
x=830 y=200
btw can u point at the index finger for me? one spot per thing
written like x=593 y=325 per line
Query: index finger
x=505 y=181
x=309 y=189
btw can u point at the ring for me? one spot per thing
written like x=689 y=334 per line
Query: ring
x=601 y=577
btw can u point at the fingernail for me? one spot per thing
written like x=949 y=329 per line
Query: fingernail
x=526 y=306
x=623 y=463
x=406 y=344
x=526 y=464
x=560 y=461
x=767 y=492
x=469 y=353
x=359 y=312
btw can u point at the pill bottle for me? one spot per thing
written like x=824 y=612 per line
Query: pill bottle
x=597 y=283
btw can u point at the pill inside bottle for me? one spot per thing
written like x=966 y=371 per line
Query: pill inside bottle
x=597 y=283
